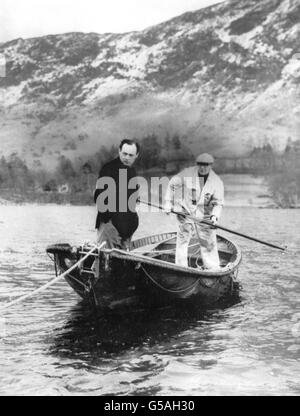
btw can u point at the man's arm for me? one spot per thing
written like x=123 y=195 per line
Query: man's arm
x=173 y=196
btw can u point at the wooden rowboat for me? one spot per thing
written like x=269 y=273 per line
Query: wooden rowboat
x=147 y=274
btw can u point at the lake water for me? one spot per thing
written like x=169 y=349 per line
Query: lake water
x=54 y=345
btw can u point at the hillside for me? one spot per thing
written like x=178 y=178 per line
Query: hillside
x=223 y=78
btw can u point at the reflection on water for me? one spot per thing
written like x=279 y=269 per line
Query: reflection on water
x=54 y=344
x=95 y=334
x=139 y=345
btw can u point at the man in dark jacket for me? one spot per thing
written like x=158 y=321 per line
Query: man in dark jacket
x=115 y=196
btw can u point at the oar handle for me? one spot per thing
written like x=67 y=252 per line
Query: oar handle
x=195 y=219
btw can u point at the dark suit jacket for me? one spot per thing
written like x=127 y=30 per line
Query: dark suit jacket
x=125 y=222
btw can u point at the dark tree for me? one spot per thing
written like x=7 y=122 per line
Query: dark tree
x=65 y=170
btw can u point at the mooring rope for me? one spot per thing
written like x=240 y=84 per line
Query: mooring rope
x=56 y=279
x=193 y=285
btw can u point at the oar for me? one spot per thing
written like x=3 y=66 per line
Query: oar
x=197 y=220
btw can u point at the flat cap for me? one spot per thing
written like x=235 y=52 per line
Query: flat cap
x=205 y=158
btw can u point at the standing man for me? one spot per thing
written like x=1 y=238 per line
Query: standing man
x=114 y=196
x=198 y=191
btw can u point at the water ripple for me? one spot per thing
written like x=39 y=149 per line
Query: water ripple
x=54 y=344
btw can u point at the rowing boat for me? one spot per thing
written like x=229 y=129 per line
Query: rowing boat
x=146 y=275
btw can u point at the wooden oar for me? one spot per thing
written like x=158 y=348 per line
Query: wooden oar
x=197 y=220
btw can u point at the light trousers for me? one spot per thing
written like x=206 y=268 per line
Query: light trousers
x=207 y=238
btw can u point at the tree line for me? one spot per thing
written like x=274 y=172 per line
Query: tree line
x=74 y=181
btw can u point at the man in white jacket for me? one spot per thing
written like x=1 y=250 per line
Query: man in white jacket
x=198 y=191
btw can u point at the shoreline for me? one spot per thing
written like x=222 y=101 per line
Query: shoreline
x=241 y=190
x=229 y=203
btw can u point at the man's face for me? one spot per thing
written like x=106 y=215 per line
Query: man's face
x=128 y=154
x=203 y=168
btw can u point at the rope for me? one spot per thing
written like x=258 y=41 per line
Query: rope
x=55 y=266
x=169 y=290
x=56 y=279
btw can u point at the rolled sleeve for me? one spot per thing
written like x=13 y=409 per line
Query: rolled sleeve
x=175 y=185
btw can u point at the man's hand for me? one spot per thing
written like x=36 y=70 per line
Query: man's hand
x=181 y=218
x=168 y=208
x=213 y=219
x=180 y=208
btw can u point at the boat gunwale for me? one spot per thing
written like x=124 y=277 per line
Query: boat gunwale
x=131 y=256
x=122 y=254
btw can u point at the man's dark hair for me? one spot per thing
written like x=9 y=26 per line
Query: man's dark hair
x=130 y=142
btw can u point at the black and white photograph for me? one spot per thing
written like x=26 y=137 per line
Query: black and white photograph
x=149 y=200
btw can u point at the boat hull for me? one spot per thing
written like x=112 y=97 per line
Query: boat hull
x=114 y=279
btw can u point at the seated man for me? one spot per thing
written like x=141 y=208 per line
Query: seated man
x=198 y=191
x=117 y=219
